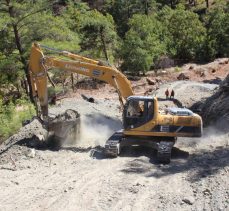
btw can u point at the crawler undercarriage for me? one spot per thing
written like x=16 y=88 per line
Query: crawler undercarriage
x=118 y=140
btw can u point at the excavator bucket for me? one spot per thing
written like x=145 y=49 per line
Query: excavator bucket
x=64 y=129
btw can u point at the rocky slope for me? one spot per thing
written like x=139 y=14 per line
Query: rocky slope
x=79 y=177
x=215 y=109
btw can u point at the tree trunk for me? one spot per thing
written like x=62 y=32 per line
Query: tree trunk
x=72 y=79
x=20 y=50
x=18 y=88
x=63 y=86
x=23 y=61
x=77 y=79
x=128 y=10
x=207 y=3
x=171 y=3
x=25 y=84
x=104 y=44
x=146 y=7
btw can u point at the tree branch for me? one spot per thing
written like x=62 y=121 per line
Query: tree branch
x=26 y=16
x=3 y=10
x=4 y=27
x=33 y=13
x=50 y=80
x=19 y=27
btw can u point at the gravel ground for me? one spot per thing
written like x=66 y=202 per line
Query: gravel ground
x=187 y=92
x=73 y=178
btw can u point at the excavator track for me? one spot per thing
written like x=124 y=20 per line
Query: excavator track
x=118 y=140
x=164 y=151
x=112 y=146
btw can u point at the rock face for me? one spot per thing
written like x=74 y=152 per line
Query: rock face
x=164 y=62
x=182 y=76
x=216 y=108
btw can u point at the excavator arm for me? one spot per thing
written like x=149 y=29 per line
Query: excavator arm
x=39 y=64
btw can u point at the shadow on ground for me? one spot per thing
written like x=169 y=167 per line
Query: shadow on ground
x=174 y=100
x=146 y=159
x=148 y=153
x=199 y=165
x=77 y=149
x=216 y=80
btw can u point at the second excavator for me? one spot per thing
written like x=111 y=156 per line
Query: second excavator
x=143 y=124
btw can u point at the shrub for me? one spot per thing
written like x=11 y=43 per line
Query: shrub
x=12 y=116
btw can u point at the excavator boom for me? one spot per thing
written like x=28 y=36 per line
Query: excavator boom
x=39 y=65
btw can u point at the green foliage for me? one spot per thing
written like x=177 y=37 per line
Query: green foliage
x=11 y=117
x=72 y=45
x=74 y=14
x=185 y=31
x=177 y=69
x=9 y=70
x=99 y=36
x=123 y=10
x=133 y=33
x=21 y=23
x=53 y=91
x=217 y=23
x=54 y=32
x=143 y=44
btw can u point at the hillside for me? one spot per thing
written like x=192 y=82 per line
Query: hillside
x=76 y=174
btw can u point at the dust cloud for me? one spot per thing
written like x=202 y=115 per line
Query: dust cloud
x=96 y=129
x=213 y=136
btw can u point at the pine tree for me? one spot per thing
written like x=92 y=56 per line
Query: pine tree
x=23 y=22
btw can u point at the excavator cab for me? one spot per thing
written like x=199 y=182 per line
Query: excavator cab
x=138 y=110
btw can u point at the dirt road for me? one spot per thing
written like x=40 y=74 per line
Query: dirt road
x=76 y=179
x=197 y=179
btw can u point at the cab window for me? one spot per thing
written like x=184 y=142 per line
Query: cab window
x=135 y=109
x=137 y=113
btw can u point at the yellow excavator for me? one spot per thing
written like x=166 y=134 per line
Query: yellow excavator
x=143 y=124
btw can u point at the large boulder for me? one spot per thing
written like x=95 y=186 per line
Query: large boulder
x=182 y=76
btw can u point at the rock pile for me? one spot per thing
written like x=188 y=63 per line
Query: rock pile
x=216 y=108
